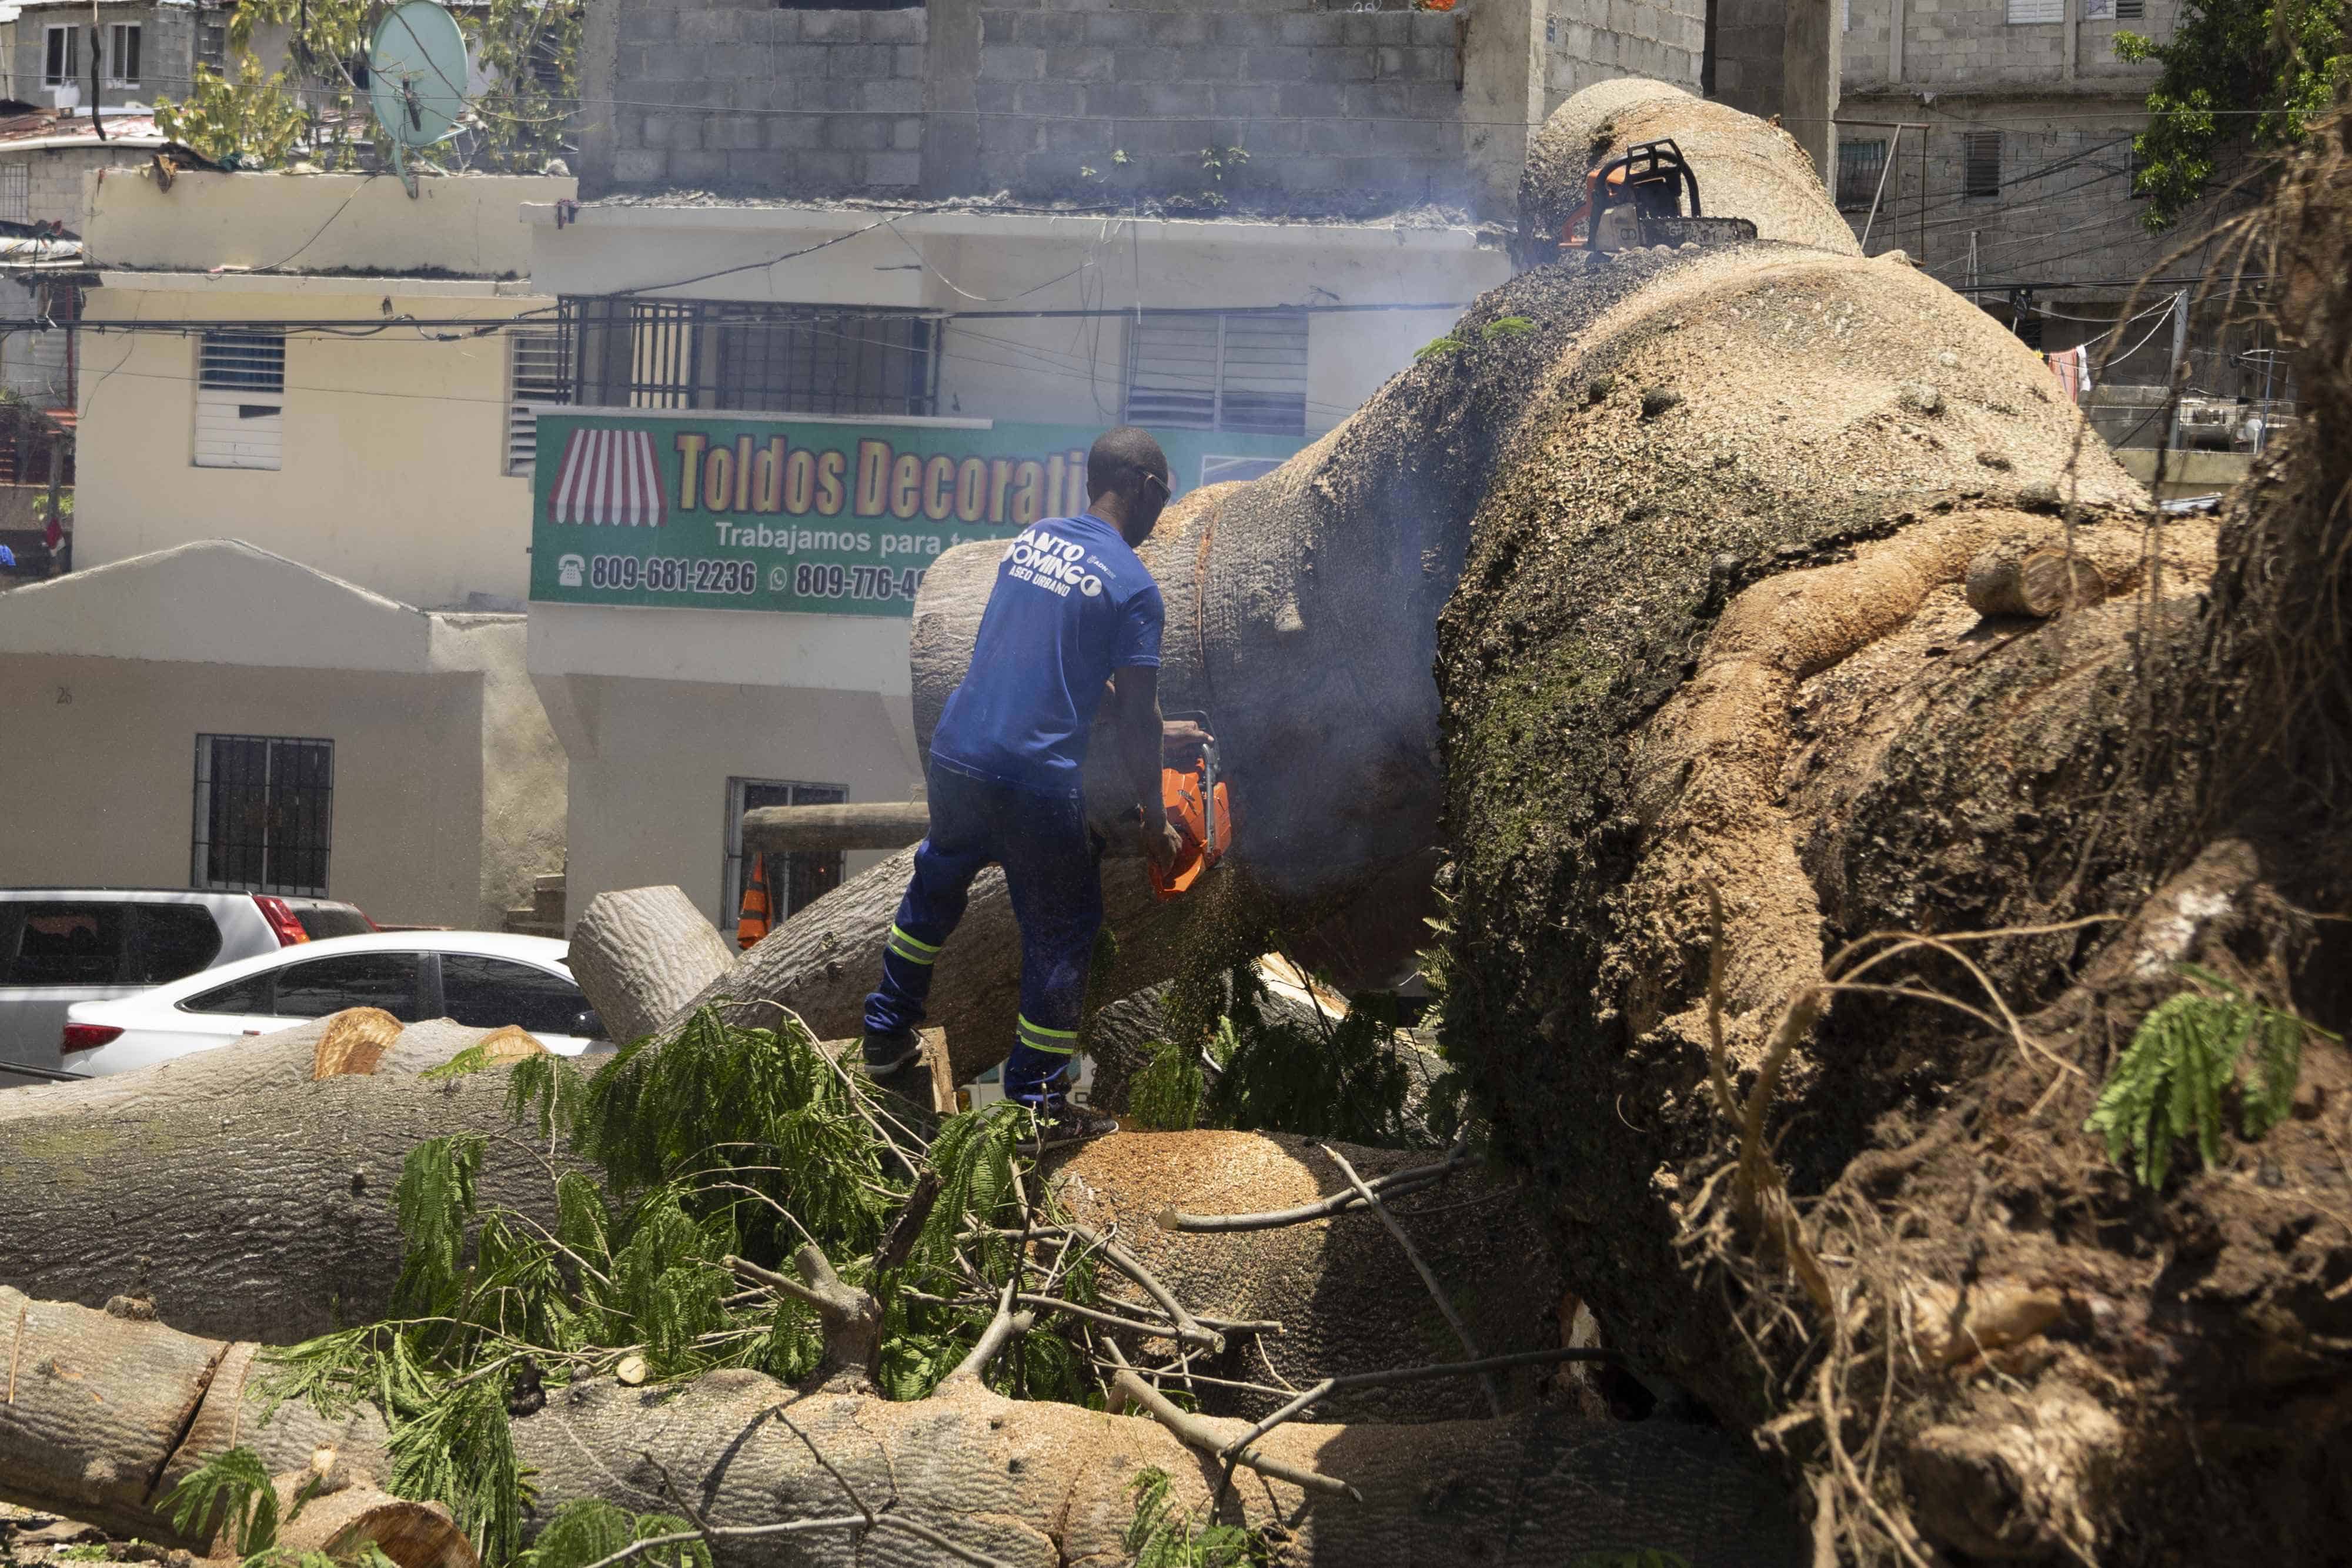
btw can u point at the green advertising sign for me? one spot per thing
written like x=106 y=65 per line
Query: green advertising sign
x=721 y=511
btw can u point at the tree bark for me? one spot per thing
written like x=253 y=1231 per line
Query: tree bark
x=1033 y=1484
x=245 y=1198
x=640 y=954
x=859 y=825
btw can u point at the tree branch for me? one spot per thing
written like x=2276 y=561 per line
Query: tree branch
x=1126 y=1388
x=1396 y=1184
x=1412 y=1255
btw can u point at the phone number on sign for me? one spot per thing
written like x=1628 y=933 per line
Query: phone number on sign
x=813 y=580
x=671 y=574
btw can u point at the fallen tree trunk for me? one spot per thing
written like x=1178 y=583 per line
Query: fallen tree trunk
x=245 y=1200
x=1025 y=1483
x=642 y=953
x=1800 y=916
x=859 y=825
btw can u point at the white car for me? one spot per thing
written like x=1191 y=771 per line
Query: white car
x=482 y=979
x=59 y=946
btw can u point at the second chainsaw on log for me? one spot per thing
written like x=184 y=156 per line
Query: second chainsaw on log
x=1202 y=814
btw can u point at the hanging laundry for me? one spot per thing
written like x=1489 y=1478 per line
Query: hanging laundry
x=2073 y=368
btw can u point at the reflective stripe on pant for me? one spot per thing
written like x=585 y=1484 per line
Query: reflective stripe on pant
x=1055 y=887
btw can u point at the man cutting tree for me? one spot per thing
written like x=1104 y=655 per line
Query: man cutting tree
x=1074 y=616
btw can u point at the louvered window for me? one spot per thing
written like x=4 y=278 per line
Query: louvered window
x=240 y=400
x=535 y=376
x=1980 y=174
x=2023 y=12
x=1243 y=372
x=2130 y=10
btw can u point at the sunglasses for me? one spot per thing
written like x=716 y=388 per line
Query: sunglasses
x=1165 y=493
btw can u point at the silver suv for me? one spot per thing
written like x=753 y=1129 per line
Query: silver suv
x=59 y=946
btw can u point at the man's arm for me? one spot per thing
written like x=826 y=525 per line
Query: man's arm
x=1138 y=729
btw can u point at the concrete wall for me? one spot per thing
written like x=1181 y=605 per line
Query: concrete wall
x=395 y=466
x=1748 y=40
x=101 y=753
x=768 y=98
x=463 y=223
x=2065 y=211
x=1593 y=40
x=1358 y=104
x=2066 y=110
x=1966 y=43
x=649 y=806
x=58 y=179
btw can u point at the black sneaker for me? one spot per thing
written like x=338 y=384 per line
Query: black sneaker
x=895 y=1064
x=1060 y=1124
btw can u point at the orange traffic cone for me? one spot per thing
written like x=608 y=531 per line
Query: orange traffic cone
x=752 y=921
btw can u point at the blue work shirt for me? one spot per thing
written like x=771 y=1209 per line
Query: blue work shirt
x=1071 y=604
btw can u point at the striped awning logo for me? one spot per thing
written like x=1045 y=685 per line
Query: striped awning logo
x=608 y=476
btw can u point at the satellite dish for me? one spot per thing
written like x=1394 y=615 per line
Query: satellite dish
x=417 y=79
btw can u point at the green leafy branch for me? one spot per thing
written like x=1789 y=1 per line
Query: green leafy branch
x=2170 y=1082
x=313 y=108
x=2285 y=59
x=718 y=1142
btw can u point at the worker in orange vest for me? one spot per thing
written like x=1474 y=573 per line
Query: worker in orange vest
x=752 y=920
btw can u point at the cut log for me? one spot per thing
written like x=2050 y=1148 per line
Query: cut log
x=245 y=1199
x=859 y=825
x=101 y=1416
x=2029 y=577
x=347 y=1509
x=250 y=1202
x=641 y=953
x=1032 y=1484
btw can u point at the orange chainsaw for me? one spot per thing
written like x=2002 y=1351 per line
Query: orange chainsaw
x=1202 y=817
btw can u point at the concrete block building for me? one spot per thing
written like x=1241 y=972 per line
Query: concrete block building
x=1362 y=106
x=1993 y=141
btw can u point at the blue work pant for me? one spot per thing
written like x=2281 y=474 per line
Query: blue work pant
x=1052 y=872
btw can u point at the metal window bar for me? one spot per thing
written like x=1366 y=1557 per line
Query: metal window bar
x=16 y=192
x=1860 y=165
x=535 y=377
x=1980 y=171
x=1239 y=373
x=778 y=359
x=242 y=362
x=264 y=810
